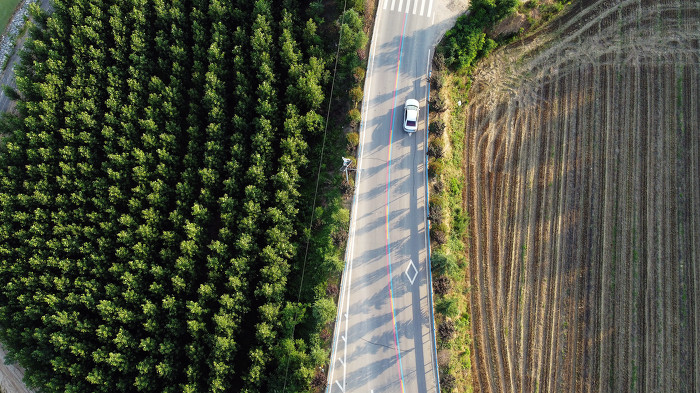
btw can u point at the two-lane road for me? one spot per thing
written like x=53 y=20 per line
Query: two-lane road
x=384 y=339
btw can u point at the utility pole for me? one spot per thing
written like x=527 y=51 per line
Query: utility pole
x=345 y=168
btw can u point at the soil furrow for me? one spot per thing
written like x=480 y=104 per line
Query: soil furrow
x=554 y=167
x=689 y=170
x=635 y=282
x=584 y=195
x=650 y=321
x=544 y=246
x=607 y=267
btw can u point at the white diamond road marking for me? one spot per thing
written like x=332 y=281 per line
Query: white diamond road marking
x=415 y=271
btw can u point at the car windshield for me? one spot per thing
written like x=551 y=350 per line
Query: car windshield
x=410 y=123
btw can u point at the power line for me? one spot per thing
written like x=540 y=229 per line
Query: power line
x=318 y=178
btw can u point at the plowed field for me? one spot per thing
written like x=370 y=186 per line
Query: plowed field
x=583 y=184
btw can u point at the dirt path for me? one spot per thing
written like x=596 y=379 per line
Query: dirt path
x=7 y=75
x=583 y=147
x=11 y=376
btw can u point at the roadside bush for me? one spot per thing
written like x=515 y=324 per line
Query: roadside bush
x=437 y=80
x=437 y=103
x=439 y=61
x=324 y=310
x=443 y=358
x=342 y=217
x=436 y=210
x=447 y=307
x=438 y=186
x=446 y=330
x=357 y=5
x=354 y=117
x=346 y=187
x=332 y=290
x=333 y=263
x=436 y=147
x=319 y=380
x=435 y=167
x=353 y=140
x=340 y=236
x=359 y=74
x=356 y=94
x=464 y=43
x=438 y=233
x=442 y=285
x=447 y=382
x=443 y=265
x=437 y=127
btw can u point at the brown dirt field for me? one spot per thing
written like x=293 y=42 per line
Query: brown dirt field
x=583 y=185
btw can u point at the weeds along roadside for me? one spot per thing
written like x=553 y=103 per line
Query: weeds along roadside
x=331 y=216
x=486 y=27
x=449 y=221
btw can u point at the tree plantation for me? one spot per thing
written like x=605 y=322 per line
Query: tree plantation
x=153 y=213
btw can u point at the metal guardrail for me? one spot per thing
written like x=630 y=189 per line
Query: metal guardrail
x=427 y=226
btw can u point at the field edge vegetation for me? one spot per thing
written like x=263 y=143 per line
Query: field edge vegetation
x=486 y=27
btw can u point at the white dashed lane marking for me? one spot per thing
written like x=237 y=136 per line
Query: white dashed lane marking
x=408 y=9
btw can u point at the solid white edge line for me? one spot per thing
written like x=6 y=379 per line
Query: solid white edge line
x=425 y=208
x=427 y=69
x=351 y=238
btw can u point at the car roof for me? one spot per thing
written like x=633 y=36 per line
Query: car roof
x=411 y=115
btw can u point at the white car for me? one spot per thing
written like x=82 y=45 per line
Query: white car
x=410 y=115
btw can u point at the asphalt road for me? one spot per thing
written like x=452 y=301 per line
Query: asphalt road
x=7 y=74
x=384 y=339
x=7 y=77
